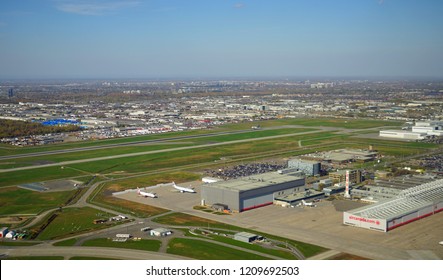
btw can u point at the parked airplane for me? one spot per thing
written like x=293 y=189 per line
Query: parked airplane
x=308 y=204
x=146 y=194
x=183 y=189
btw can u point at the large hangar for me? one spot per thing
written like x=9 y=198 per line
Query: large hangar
x=251 y=192
x=410 y=205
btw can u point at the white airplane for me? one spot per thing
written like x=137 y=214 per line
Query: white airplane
x=183 y=189
x=308 y=204
x=146 y=194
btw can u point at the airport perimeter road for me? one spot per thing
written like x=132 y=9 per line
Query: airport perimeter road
x=67 y=252
x=153 y=152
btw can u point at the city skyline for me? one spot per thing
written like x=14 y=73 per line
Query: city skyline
x=202 y=39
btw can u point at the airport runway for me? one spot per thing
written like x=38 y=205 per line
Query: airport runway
x=134 y=143
x=152 y=152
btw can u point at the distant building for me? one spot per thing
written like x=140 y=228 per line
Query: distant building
x=11 y=93
x=402 y=134
x=310 y=168
x=429 y=127
x=340 y=176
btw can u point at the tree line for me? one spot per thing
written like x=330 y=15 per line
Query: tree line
x=13 y=128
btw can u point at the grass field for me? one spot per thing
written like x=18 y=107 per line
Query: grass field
x=19 y=201
x=72 y=221
x=310 y=122
x=37 y=175
x=144 y=244
x=202 y=250
x=6 y=164
x=18 y=243
x=256 y=247
x=181 y=219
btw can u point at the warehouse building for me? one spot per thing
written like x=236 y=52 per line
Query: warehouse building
x=408 y=206
x=402 y=134
x=247 y=237
x=251 y=192
x=310 y=168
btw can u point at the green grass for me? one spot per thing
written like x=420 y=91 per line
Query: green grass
x=67 y=242
x=37 y=175
x=202 y=250
x=144 y=244
x=255 y=247
x=18 y=243
x=309 y=122
x=6 y=164
x=19 y=201
x=72 y=221
x=181 y=219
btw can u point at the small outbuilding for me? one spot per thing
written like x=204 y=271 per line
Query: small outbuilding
x=160 y=232
x=10 y=234
x=247 y=237
x=3 y=232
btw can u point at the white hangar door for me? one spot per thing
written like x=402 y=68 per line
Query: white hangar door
x=254 y=202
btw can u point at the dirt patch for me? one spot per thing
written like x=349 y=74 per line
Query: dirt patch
x=12 y=220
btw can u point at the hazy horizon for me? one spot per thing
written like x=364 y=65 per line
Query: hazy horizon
x=198 y=39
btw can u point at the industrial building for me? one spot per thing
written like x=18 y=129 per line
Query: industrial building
x=295 y=198
x=402 y=134
x=251 y=192
x=419 y=131
x=408 y=206
x=384 y=189
x=310 y=168
x=247 y=237
x=160 y=232
x=343 y=156
x=429 y=127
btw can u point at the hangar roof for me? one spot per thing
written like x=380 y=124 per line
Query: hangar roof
x=256 y=181
x=408 y=200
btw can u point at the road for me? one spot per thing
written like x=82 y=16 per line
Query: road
x=100 y=252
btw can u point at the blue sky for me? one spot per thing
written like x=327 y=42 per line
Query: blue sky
x=220 y=38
